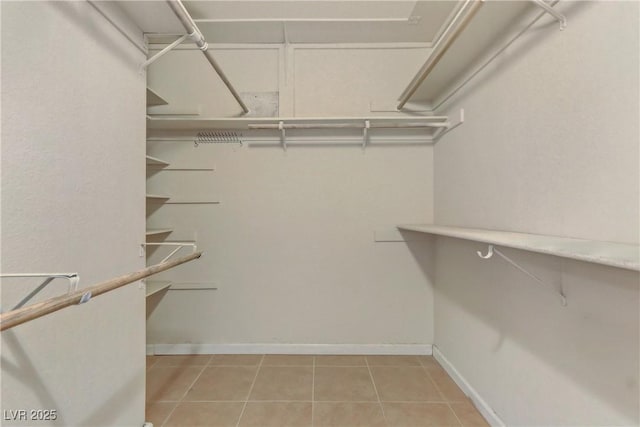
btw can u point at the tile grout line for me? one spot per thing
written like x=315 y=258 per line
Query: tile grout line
x=250 y=389
x=441 y=394
x=178 y=402
x=384 y=416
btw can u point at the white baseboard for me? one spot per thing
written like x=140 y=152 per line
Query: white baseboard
x=484 y=408
x=390 y=349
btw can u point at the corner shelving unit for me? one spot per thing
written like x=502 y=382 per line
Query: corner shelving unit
x=156 y=286
x=613 y=254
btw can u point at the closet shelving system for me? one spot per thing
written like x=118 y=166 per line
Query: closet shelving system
x=477 y=33
x=156 y=286
x=613 y=254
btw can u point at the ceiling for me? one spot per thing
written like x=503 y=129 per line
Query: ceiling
x=302 y=21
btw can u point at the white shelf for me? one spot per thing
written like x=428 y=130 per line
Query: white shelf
x=155 y=286
x=154 y=99
x=492 y=21
x=621 y=255
x=157 y=197
x=181 y=123
x=157 y=231
x=154 y=161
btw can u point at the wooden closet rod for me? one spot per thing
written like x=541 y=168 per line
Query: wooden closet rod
x=24 y=314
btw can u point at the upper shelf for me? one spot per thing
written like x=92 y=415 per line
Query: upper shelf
x=621 y=255
x=241 y=123
x=154 y=99
x=489 y=24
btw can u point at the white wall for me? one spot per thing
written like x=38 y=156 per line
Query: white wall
x=549 y=146
x=291 y=246
x=72 y=201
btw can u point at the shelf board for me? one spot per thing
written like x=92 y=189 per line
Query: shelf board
x=158 y=197
x=157 y=231
x=155 y=286
x=621 y=255
x=154 y=99
x=181 y=123
x=154 y=161
x=485 y=30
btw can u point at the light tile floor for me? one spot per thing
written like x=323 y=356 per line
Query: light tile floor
x=304 y=391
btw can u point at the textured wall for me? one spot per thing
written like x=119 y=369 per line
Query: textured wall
x=72 y=201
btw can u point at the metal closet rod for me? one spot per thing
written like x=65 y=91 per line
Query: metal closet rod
x=25 y=314
x=349 y=126
x=464 y=16
x=196 y=35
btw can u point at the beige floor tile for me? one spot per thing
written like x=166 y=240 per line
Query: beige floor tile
x=430 y=363
x=404 y=384
x=170 y=383
x=183 y=360
x=468 y=414
x=276 y=414
x=223 y=383
x=157 y=412
x=340 y=360
x=393 y=361
x=209 y=414
x=287 y=360
x=419 y=414
x=151 y=360
x=348 y=414
x=447 y=387
x=236 y=360
x=283 y=383
x=343 y=384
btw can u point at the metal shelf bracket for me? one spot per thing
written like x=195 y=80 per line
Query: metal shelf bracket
x=491 y=250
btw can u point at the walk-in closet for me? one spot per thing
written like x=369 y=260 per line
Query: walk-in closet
x=320 y=213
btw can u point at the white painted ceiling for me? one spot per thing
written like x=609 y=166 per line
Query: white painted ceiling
x=302 y=21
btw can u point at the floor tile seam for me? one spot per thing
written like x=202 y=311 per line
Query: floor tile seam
x=255 y=377
x=375 y=388
x=454 y=414
x=435 y=384
x=191 y=386
x=166 y=419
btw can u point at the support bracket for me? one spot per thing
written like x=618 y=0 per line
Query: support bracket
x=551 y=11
x=491 y=250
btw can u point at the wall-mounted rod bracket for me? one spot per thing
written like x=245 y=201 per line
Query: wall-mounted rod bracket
x=365 y=133
x=73 y=279
x=283 y=135
x=449 y=128
x=492 y=250
x=551 y=11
